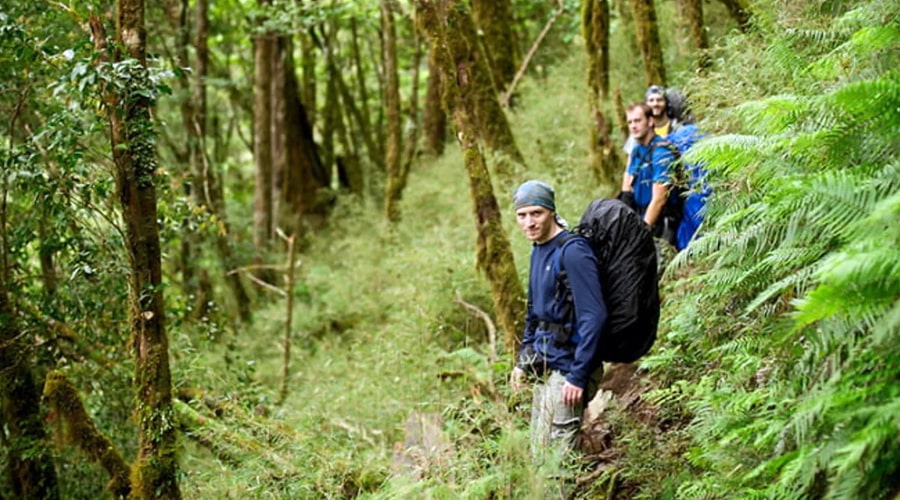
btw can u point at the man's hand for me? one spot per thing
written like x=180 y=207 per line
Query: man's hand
x=517 y=379
x=571 y=394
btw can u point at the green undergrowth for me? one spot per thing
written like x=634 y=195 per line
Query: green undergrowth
x=378 y=335
x=774 y=375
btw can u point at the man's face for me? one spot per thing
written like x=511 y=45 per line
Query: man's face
x=537 y=222
x=638 y=124
x=657 y=104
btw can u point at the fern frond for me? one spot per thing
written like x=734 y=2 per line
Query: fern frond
x=798 y=281
x=822 y=38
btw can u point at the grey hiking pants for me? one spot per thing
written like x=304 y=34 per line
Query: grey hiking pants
x=554 y=424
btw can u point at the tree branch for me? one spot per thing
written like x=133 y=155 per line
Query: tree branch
x=492 y=330
x=504 y=99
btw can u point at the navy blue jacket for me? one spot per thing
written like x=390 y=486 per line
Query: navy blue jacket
x=575 y=358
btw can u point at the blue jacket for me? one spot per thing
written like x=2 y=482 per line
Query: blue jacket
x=575 y=358
x=649 y=164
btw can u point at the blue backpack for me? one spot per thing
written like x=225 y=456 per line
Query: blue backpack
x=696 y=189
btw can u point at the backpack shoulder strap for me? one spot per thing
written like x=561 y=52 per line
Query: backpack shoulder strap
x=560 y=248
x=662 y=142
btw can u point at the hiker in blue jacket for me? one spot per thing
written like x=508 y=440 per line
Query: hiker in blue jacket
x=649 y=175
x=562 y=333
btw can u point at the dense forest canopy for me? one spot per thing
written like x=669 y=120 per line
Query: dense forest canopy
x=267 y=249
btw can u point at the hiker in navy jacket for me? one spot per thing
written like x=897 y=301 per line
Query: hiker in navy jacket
x=561 y=337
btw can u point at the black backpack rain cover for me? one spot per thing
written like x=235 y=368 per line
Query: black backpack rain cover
x=626 y=258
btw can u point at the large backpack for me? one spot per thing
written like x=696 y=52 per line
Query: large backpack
x=626 y=260
x=694 y=190
x=678 y=107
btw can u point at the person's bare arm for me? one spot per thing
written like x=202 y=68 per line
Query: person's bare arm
x=655 y=208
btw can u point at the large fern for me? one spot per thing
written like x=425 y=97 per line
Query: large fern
x=800 y=282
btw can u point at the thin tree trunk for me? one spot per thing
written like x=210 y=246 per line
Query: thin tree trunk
x=307 y=181
x=393 y=185
x=434 y=117
x=356 y=113
x=308 y=86
x=289 y=320
x=177 y=14
x=620 y=114
x=494 y=19
x=647 y=29
x=605 y=159
x=692 y=10
x=262 y=142
x=494 y=253
x=281 y=214
x=349 y=169
x=376 y=154
x=332 y=110
x=209 y=185
x=156 y=468
x=45 y=253
x=595 y=30
x=412 y=114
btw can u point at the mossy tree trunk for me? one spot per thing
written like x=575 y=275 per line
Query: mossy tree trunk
x=307 y=182
x=619 y=105
x=411 y=144
x=692 y=11
x=356 y=114
x=332 y=110
x=494 y=253
x=595 y=22
x=495 y=21
x=349 y=166
x=308 y=75
x=134 y=157
x=393 y=189
x=434 y=118
x=81 y=431
x=474 y=79
x=262 y=140
x=605 y=159
x=28 y=460
x=280 y=213
x=365 y=122
x=647 y=30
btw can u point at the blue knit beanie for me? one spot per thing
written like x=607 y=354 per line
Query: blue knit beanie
x=533 y=193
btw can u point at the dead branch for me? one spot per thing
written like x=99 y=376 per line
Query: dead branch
x=492 y=330
x=504 y=100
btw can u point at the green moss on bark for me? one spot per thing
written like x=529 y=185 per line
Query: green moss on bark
x=442 y=21
x=79 y=430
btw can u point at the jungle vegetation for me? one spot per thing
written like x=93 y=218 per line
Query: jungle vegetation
x=266 y=249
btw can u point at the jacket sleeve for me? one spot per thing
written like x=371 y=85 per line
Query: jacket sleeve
x=590 y=309
x=528 y=335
